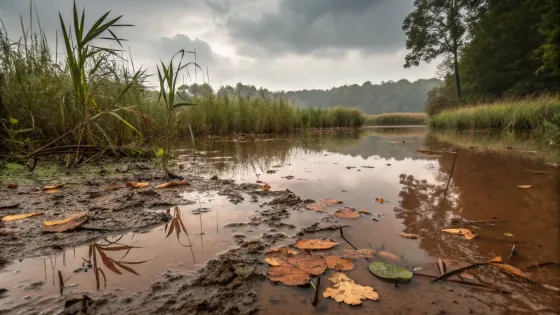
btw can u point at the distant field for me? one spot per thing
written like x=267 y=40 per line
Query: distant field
x=393 y=119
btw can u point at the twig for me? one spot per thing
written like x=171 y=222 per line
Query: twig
x=456 y=271
x=347 y=241
x=513 y=252
x=60 y=283
x=316 y=294
x=548 y=263
x=451 y=174
x=465 y=282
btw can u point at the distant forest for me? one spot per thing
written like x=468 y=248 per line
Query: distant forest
x=390 y=96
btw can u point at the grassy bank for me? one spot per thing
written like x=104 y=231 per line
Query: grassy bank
x=95 y=96
x=395 y=119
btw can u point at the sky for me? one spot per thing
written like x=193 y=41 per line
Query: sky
x=275 y=44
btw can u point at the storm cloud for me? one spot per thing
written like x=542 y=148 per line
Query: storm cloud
x=277 y=44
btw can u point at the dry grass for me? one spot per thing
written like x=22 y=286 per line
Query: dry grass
x=395 y=119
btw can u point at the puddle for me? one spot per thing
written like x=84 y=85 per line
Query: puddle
x=355 y=167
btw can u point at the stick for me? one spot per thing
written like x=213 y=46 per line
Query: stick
x=465 y=282
x=549 y=263
x=456 y=271
x=347 y=241
x=60 y=283
x=316 y=294
x=513 y=252
x=451 y=174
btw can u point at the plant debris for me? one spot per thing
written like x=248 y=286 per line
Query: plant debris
x=346 y=290
x=389 y=255
x=468 y=234
x=525 y=186
x=173 y=184
x=316 y=207
x=390 y=272
x=340 y=263
x=73 y=217
x=315 y=244
x=509 y=269
x=63 y=227
x=12 y=186
x=295 y=269
x=381 y=200
x=410 y=236
x=330 y=201
x=20 y=216
x=359 y=254
x=441 y=266
x=138 y=184
x=50 y=187
x=347 y=213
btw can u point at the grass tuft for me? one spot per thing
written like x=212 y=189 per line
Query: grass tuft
x=396 y=119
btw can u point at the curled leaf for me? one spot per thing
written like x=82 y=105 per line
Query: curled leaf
x=468 y=234
x=315 y=244
x=525 y=186
x=410 y=236
x=49 y=187
x=340 y=263
x=509 y=269
x=346 y=290
x=73 y=217
x=137 y=184
x=173 y=184
x=19 y=216
x=64 y=227
x=347 y=213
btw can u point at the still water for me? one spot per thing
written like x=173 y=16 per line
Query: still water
x=356 y=167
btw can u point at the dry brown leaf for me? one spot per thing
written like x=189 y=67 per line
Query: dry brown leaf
x=296 y=269
x=525 y=186
x=468 y=234
x=389 y=255
x=315 y=244
x=346 y=290
x=278 y=256
x=290 y=250
x=340 y=263
x=20 y=216
x=266 y=187
x=316 y=207
x=73 y=217
x=65 y=227
x=410 y=236
x=53 y=191
x=137 y=184
x=331 y=201
x=359 y=254
x=509 y=269
x=347 y=213
x=173 y=184
x=49 y=187
x=12 y=186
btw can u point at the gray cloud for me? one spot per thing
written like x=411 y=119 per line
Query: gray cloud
x=313 y=26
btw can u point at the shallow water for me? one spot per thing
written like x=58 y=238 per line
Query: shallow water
x=355 y=167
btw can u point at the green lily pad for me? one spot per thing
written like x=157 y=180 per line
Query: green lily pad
x=390 y=272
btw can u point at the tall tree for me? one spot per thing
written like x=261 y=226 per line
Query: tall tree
x=436 y=28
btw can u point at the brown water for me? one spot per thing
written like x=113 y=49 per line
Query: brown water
x=356 y=167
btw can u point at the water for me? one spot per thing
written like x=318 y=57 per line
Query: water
x=355 y=167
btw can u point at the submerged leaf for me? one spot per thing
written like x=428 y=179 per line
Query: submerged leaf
x=72 y=217
x=468 y=234
x=509 y=269
x=340 y=263
x=390 y=272
x=288 y=275
x=330 y=201
x=296 y=269
x=315 y=244
x=20 y=216
x=316 y=207
x=173 y=184
x=347 y=213
x=389 y=255
x=359 y=254
x=410 y=236
x=49 y=187
x=278 y=256
x=346 y=290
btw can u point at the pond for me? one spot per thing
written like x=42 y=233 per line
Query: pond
x=405 y=179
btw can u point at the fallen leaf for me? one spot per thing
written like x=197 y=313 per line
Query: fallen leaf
x=508 y=234
x=277 y=256
x=410 y=236
x=297 y=269
x=64 y=227
x=173 y=184
x=509 y=269
x=340 y=263
x=390 y=272
x=20 y=216
x=315 y=244
x=347 y=213
x=346 y=290
x=525 y=186
x=137 y=184
x=441 y=266
x=331 y=201
x=359 y=254
x=72 y=217
x=266 y=187
x=114 y=188
x=53 y=191
x=364 y=211
x=380 y=200
x=48 y=187
x=12 y=186
x=468 y=234
x=466 y=275
x=389 y=255
x=290 y=250
x=316 y=207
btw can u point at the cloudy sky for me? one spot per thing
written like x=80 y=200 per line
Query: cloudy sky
x=276 y=44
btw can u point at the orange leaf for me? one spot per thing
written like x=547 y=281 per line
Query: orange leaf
x=410 y=236
x=19 y=216
x=137 y=184
x=525 y=186
x=315 y=244
x=389 y=255
x=49 y=187
x=12 y=186
x=64 y=227
x=266 y=187
x=509 y=269
x=340 y=263
x=347 y=213
x=468 y=234
x=359 y=254
x=72 y=217
x=173 y=184
x=316 y=207
x=331 y=201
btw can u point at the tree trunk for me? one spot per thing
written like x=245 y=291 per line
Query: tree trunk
x=457 y=79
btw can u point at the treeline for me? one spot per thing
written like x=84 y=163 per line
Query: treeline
x=493 y=49
x=390 y=96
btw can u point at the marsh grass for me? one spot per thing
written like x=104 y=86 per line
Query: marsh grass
x=396 y=119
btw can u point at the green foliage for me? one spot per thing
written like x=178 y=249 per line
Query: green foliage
x=549 y=27
x=395 y=119
x=527 y=114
